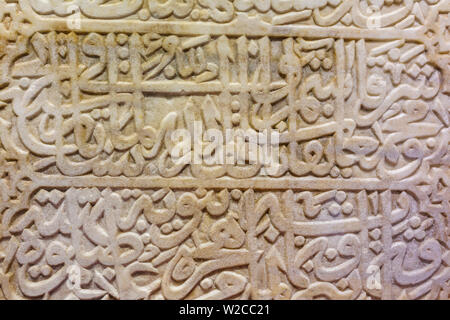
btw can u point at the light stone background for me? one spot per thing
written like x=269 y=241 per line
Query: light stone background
x=92 y=205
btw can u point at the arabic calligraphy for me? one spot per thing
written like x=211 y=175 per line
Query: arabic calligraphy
x=93 y=204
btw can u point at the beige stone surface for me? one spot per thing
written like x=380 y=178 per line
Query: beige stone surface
x=118 y=179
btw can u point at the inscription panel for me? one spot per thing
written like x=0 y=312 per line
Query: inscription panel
x=220 y=149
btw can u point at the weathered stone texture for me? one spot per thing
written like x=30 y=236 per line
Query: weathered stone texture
x=96 y=97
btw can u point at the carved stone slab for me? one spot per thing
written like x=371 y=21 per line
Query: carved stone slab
x=119 y=179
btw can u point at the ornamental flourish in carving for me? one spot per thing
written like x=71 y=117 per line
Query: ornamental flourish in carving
x=127 y=130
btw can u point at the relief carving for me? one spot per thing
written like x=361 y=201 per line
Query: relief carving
x=242 y=149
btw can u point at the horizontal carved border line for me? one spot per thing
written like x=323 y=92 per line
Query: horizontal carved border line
x=238 y=28
x=306 y=183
